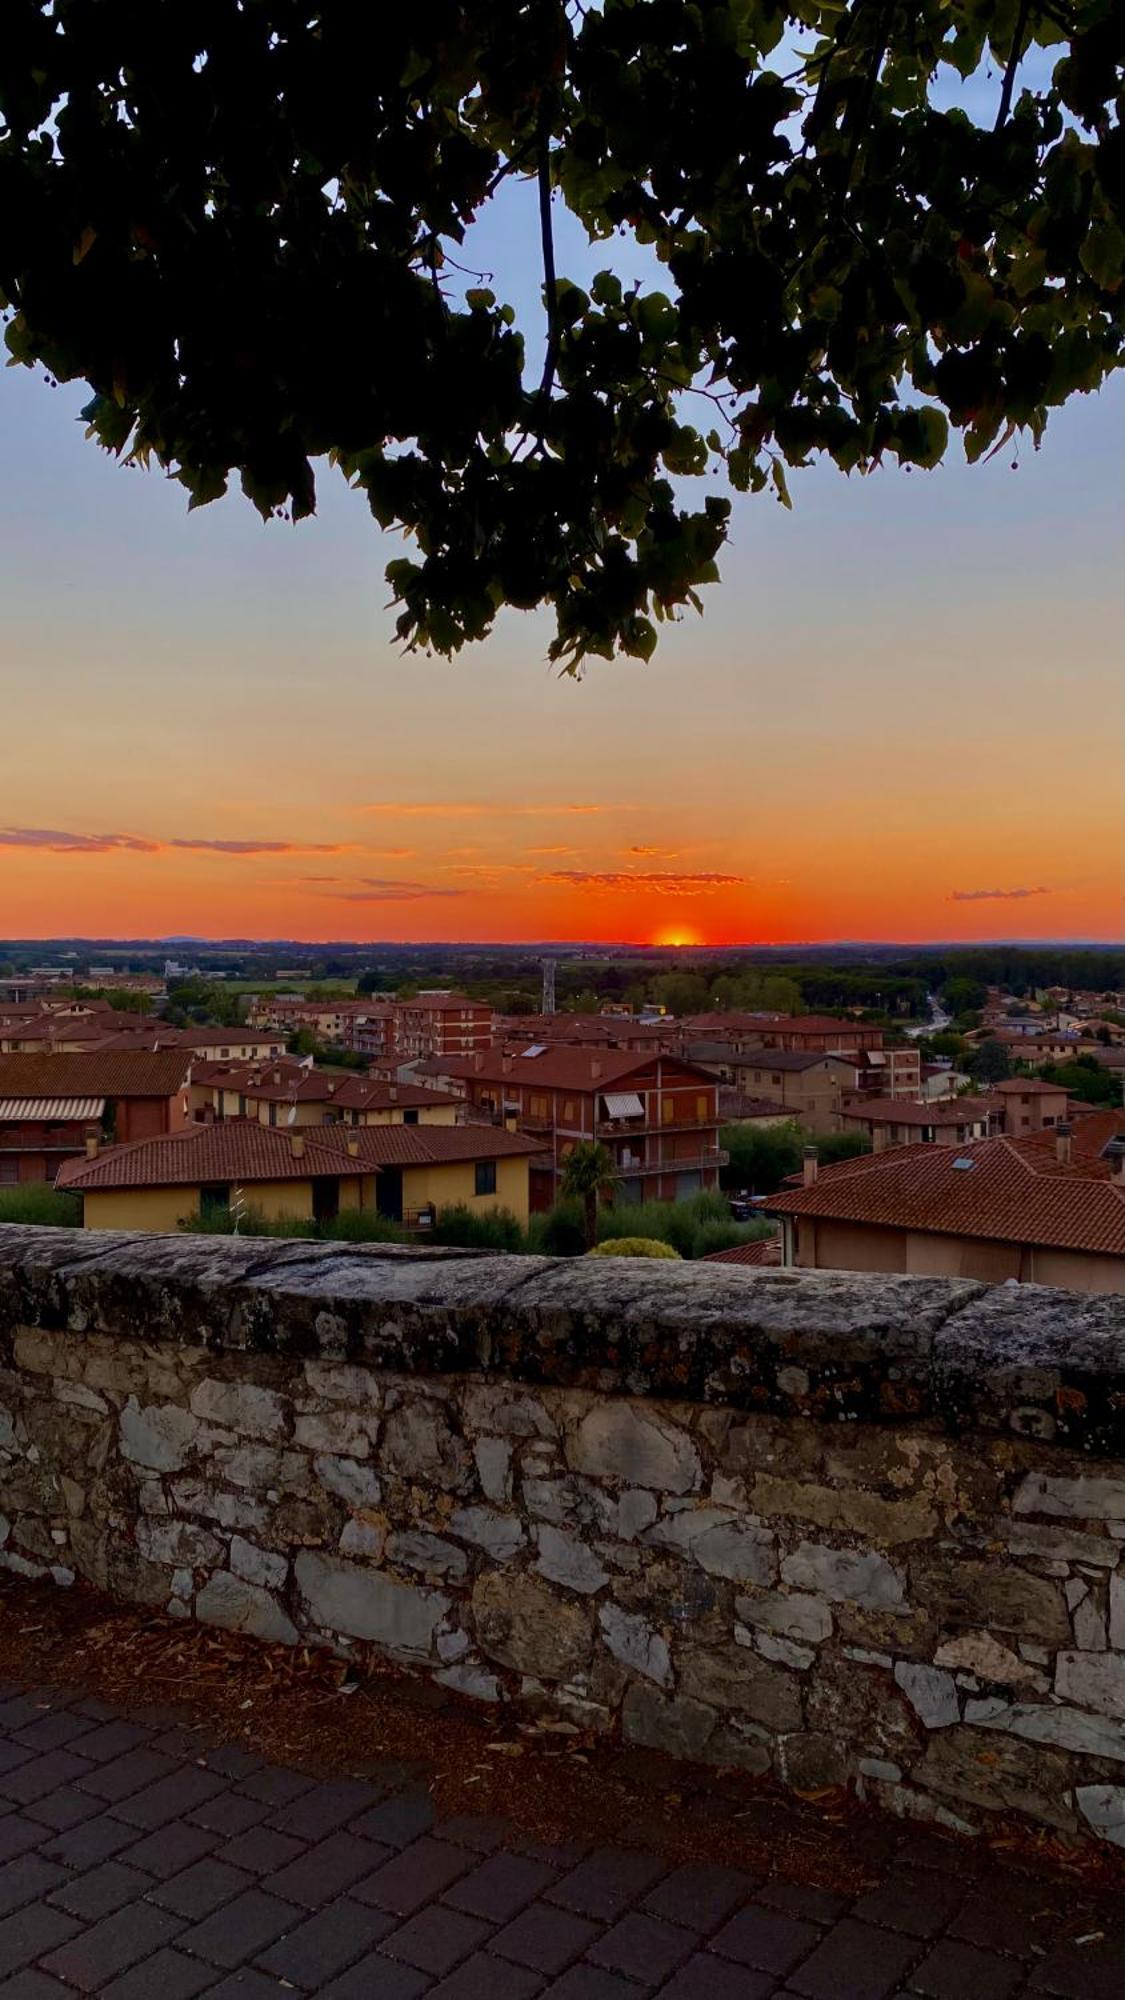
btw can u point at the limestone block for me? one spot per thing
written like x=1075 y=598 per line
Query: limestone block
x=255 y=1565
x=1117 y=1612
x=524 y=1625
x=508 y=1411
x=493 y=1457
x=420 y=1445
x=1042 y=1722
x=344 y=1433
x=348 y=1480
x=239 y=1606
x=340 y=1382
x=979 y=1653
x=885 y=1522
x=632 y=1641
x=1103 y=1807
x=1091 y=1498
x=364 y=1604
x=727 y=1678
x=932 y=1694
x=431 y=1555
x=230 y=1510
x=791 y=1613
x=159 y=1437
x=180 y=1543
x=995 y=1596
x=499 y=1535
x=1092 y=1680
x=677 y=1725
x=866 y=1579
x=566 y=1560
x=242 y=1407
x=622 y=1442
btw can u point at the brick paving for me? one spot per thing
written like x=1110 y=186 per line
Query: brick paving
x=139 y=1862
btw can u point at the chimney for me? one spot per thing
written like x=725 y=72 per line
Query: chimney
x=353 y=1149
x=478 y=1062
x=93 y=1140
x=810 y=1165
x=879 y=1139
x=394 y=1093
x=595 y=1068
x=506 y=1065
x=297 y=1145
x=277 y=1076
x=1064 y=1150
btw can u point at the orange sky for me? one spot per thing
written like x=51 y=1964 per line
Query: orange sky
x=898 y=719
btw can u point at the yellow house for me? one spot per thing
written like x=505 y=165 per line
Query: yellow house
x=404 y=1173
x=288 y=1094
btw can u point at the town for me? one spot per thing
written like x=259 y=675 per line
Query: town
x=983 y=1139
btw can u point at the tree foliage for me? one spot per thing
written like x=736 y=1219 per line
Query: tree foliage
x=239 y=221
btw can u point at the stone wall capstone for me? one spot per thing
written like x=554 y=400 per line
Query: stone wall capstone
x=846 y=1529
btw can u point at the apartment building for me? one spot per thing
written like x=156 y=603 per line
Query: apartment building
x=657 y=1115
x=811 y=1088
x=49 y=1103
x=1025 y=1104
x=439 y=1023
x=889 y=1072
x=893 y=1121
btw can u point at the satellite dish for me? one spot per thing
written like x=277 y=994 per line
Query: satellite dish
x=291 y=1116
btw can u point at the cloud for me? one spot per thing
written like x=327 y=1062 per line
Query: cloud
x=490 y=871
x=626 y=881
x=553 y=850
x=391 y=853
x=200 y=846
x=50 y=841
x=477 y=809
x=393 y=892
x=994 y=895
x=655 y=853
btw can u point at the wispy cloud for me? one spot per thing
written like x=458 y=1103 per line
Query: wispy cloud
x=629 y=882
x=393 y=892
x=50 y=840
x=655 y=853
x=994 y=895
x=554 y=850
x=478 y=809
x=201 y=846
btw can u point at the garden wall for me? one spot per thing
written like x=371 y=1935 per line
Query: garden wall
x=864 y=1529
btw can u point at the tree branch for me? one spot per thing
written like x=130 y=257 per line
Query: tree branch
x=547 y=241
x=1014 y=59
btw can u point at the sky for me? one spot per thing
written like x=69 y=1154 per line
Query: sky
x=900 y=716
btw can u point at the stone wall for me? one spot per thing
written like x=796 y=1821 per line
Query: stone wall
x=837 y=1527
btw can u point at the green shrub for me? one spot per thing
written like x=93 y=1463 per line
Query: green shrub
x=559 y=1233
x=634 y=1246
x=35 y=1202
x=363 y=1225
x=462 y=1227
x=725 y=1235
x=221 y=1222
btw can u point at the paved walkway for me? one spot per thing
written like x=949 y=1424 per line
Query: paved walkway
x=137 y=1863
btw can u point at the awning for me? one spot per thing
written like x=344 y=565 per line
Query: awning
x=55 y=1110
x=623 y=1104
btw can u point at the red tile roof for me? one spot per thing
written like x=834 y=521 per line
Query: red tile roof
x=559 y=1067
x=93 y=1074
x=907 y=1111
x=766 y=1251
x=241 y=1150
x=1013 y=1190
x=1028 y=1086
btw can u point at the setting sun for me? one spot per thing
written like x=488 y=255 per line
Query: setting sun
x=677 y=935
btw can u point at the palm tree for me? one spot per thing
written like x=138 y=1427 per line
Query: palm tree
x=588 y=1173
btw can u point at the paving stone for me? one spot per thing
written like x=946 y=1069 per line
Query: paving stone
x=642 y=1947
x=114 y=1739
x=101 y=1890
x=242 y=1929
x=33 y=1985
x=373 y=1978
x=768 y=1940
x=27 y=1880
x=952 y=1970
x=799 y=1899
x=228 y=1814
x=167 y=1975
x=275 y=1786
x=484 y=1834
x=322 y=1809
x=704 y=1977
x=17 y=1834
x=260 y=1851
x=170 y=1798
x=41 y=1775
x=1015 y=1915
x=920 y=1905
x=927 y=1849
x=84 y=1846
x=63 y=1809
x=27 y=1934
x=250 y=1985
x=233 y=1760
x=203 y=1887
x=420 y=1872
x=499 y=1887
x=398 y=1821
x=543 y=1938
x=20 y=1710
x=699 y=1895
x=436 y=1939
x=92 y=1959
x=325 y=1943
x=855 y=1962
x=169 y=1850
x=590 y=1982
x=119 y=1777
x=608 y=1881
x=53 y=1731
x=12 y=1754
x=1083 y=1972
x=483 y=1977
x=326 y=1869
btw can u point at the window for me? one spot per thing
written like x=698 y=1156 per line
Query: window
x=273 y=1112
x=568 y=1111
x=214 y=1200
x=667 y=1109
x=484 y=1177
x=701 y=1108
x=410 y=1117
x=775 y=1078
x=9 y=1170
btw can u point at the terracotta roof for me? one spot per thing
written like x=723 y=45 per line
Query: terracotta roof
x=93 y=1074
x=1027 y=1086
x=1013 y=1190
x=789 y=1059
x=559 y=1067
x=734 y=1104
x=767 y=1250
x=908 y=1111
x=241 y=1150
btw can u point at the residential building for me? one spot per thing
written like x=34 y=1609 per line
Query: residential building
x=821 y=1034
x=438 y=1023
x=1052 y=1045
x=737 y=1109
x=1048 y=1209
x=889 y=1072
x=657 y=1115
x=894 y=1121
x=810 y=1087
x=941 y=1080
x=1025 y=1104
x=49 y=1102
x=293 y=1094
x=404 y=1173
